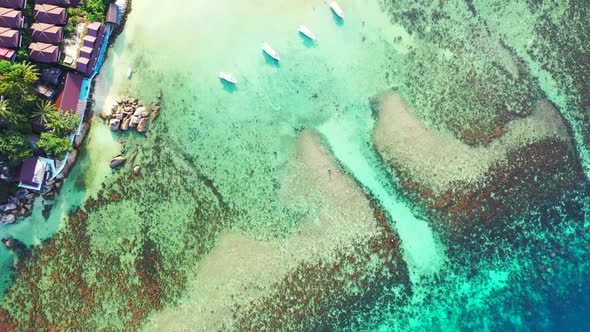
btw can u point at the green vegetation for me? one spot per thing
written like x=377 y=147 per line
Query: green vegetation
x=44 y=112
x=63 y=123
x=90 y=10
x=13 y=147
x=17 y=87
x=54 y=145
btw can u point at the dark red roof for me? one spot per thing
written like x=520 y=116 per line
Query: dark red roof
x=59 y=2
x=43 y=52
x=69 y=94
x=7 y=54
x=112 y=14
x=11 y=18
x=50 y=14
x=46 y=33
x=9 y=38
x=27 y=172
x=12 y=3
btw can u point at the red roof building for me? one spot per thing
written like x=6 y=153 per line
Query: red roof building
x=85 y=52
x=82 y=64
x=89 y=41
x=9 y=38
x=11 y=18
x=43 y=52
x=69 y=93
x=7 y=54
x=92 y=29
x=32 y=173
x=50 y=14
x=13 y=3
x=47 y=33
x=58 y=2
x=112 y=14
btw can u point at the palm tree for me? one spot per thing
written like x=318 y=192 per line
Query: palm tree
x=6 y=115
x=44 y=112
x=29 y=67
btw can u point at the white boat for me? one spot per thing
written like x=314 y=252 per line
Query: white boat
x=272 y=53
x=336 y=8
x=227 y=77
x=129 y=72
x=305 y=30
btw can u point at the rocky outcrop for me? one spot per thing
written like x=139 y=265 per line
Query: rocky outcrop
x=80 y=137
x=128 y=113
x=7 y=219
x=118 y=160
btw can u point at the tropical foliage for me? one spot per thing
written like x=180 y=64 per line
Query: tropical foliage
x=17 y=86
x=13 y=147
x=45 y=110
x=63 y=123
x=6 y=115
x=54 y=145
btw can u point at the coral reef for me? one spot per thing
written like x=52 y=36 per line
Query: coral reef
x=331 y=295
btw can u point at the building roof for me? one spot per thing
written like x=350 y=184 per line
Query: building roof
x=7 y=54
x=50 y=14
x=58 y=2
x=11 y=18
x=45 y=91
x=43 y=52
x=94 y=26
x=86 y=49
x=51 y=75
x=112 y=14
x=90 y=38
x=47 y=33
x=9 y=38
x=32 y=173
x=68 y=97
x=13 y=3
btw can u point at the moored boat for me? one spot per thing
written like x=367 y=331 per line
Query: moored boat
x=306 y=32
x=336 y=8
x=129 y=72
x=271 y=52
x=227 y=77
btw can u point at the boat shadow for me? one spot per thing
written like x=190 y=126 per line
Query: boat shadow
x=307 y=42
x=337 y=19
x=270 y=60
x=227 y=86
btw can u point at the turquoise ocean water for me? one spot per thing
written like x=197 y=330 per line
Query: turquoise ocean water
x=244 y=185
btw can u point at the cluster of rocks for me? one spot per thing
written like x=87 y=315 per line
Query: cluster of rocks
x=129 y=113
x=120 y=159
x=21 y=204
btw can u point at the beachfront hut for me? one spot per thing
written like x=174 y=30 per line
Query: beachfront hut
x=13 y=3
x=7 y=54
x=43 y=52
x=93 y=28
x=58 y=2
x=9 y=38
x=89 y=41
x=85 y=52
x=82 y=65
x=69 y=93
x=112 y=16
x=47 y=33
x=11 y=18
x=32 y=173
x=51 y=75
x=50 y=14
